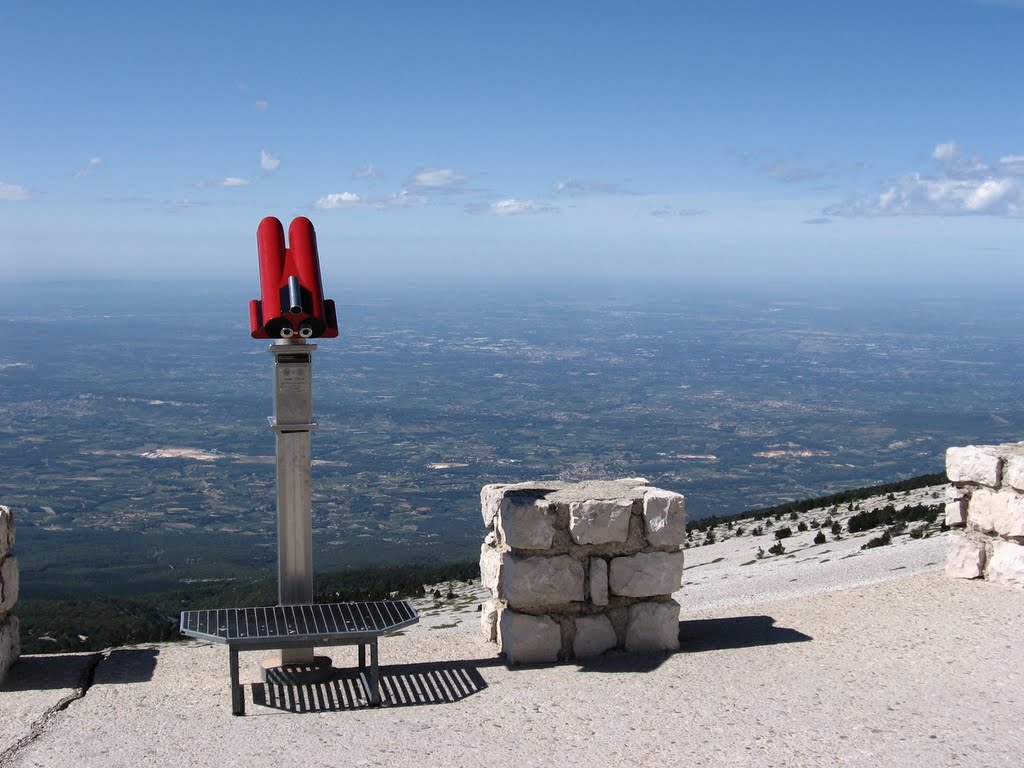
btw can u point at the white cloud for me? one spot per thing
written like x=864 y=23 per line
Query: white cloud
x=945 y=151
x=965 y=185
x=94 y=162
x=435 y=179
x=990 y=194
x=1012 y=165
x=350 y=200
x=12 y=192
x=586 y=186
x=512 y=207
x=232 y=181
x=269 y=162
x=262 y=105
x=958 y=165
x=365 y=172
x=668 y=210
x=790 y=171
x=780 y=168
x=339 y=200
x=185 y=203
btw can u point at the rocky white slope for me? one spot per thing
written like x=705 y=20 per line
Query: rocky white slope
x=739 y=570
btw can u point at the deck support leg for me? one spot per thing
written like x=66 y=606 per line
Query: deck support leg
x=374 y=675
x=237 y=695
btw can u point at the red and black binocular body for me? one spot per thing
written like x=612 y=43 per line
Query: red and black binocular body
x=291 y=299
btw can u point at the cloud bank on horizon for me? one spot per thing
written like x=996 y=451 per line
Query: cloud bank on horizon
x=963 y=185
x=677 y=139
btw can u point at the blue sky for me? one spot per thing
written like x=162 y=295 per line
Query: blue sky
x=846 y=141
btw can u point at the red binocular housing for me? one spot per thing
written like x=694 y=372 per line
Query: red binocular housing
x=291 y=299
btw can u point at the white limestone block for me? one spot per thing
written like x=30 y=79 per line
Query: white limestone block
x=646 y=574
x=1006 y=566
x=598 y=581
x=541 y=581
x=955 y=492
x=1013 y=472
x=599 y=521
x=984 y=507
x=10 y=643
x=974 y=464
x=526 y=639
x=490 y=498
x=491 y=565
x=8 y=583
x=664 y=517
x=489 y=620
x=965 y=558
x=594 y=636
x=526 y=523
x=653 y=627
x=956 y=515
x=999 y=512
x=6 y=530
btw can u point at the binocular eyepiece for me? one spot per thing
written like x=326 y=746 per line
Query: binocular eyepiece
x=305 y=331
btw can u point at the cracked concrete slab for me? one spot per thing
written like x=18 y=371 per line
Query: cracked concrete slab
x=35 y=688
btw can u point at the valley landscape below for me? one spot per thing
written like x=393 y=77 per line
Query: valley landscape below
x=138 y=458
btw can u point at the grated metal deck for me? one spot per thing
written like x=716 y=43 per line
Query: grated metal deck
x=272 y=626
x=300 y=626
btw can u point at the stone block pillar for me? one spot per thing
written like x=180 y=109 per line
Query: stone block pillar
x=576 y=569
x=10 y=643
x=985 y=504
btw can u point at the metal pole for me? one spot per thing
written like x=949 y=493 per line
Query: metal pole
x=292 y=423
x=291 y=309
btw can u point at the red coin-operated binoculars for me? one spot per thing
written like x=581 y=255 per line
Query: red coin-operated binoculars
x=291 y=302
x=291 y=309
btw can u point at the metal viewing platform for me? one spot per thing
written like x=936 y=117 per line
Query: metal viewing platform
x=301 y=626
x=292 y=310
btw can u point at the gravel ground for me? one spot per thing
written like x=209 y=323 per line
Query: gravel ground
x=831 y=656
x=920 y=670
x=825 y=655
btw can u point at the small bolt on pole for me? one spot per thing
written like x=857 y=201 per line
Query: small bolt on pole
x=290 y=311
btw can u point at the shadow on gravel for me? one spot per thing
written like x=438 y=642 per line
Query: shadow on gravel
x=408 y=685
x=127 y=665
x=698 y=635
x=620 y=661
x=53 y=672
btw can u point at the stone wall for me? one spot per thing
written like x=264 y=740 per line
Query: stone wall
x=576 y=569
x=985 y=503
x=10 y=644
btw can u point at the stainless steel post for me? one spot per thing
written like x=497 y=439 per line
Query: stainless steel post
x=292 y=423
